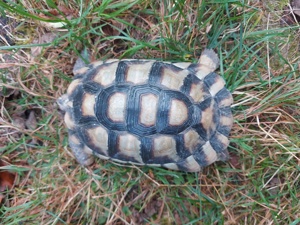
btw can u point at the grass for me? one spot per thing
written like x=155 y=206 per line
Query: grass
x=259 y=60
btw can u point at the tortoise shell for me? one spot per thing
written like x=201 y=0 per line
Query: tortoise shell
x=146 y=112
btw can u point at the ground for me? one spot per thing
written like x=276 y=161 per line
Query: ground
x=258 y=45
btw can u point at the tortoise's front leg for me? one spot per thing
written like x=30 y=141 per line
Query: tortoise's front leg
x=81 y=152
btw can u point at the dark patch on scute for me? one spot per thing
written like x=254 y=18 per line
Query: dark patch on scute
x=84 y=138
x=201 y=131
x=225 y=130
x=88 y=121
x=193 y=68
x=221 y=95
x=113 y=144
x=72 y=132
x=89 y=74
x=164 y=108
x=187 y=85
x=79 y=76
x=121 y=72
x=210 y=79
x=198 y=126
x=226 y=111
x=146 y=148
x=155 y=73
x=216 y=115
x=77 y=97
x=200 y=157
x=160 y=160
x=216 y=143
x=205 y=104
x=196 y=115
x=182 y=152
x=92 y=87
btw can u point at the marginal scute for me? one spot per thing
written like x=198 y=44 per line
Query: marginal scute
x=165 y=146
x=191 y=140
x=98 y=137
x=96 y=63
x=69 y=121
x=81 y=70
x=219 y=141
x=226 y=121
x=129 y=145
x=224 y=98
x=87 y=150
x=215 y=83
x=190 y=164
x=182 y=65
x=106 y=74
x=171 y=166
x=210 y=153
x=138 y=73
x=73 y=86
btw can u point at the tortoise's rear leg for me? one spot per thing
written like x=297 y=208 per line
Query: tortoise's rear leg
x=81 y=152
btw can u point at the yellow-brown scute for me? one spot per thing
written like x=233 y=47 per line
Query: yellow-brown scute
x=217 y=85
x=223 y=140
x=226 y=121
x=178 y=113
x=191 y=140
x=88 y=105
x=173 y=79
x=207 y=119
x=165 y=146
x=210 y=153
x=98 y=137
x=129 y=145
x=149 y=103
x=69 y=120
x=105 y=75
x=73 y=86
x=138 y=73
x=197 y=92
x=191 y=164
x=117 y=107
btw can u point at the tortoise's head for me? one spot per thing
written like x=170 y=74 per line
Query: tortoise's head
x=82 y=62
x=63 y=102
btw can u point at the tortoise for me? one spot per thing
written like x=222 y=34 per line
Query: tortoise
x=147 y=112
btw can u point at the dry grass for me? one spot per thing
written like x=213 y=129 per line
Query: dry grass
x=259 y=59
